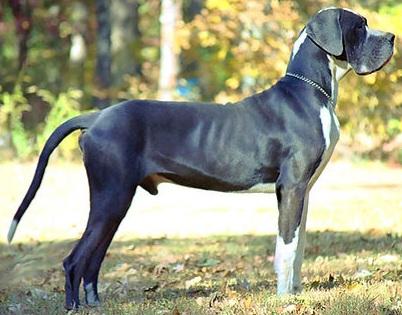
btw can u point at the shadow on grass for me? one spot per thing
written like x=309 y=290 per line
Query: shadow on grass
x=146 y=270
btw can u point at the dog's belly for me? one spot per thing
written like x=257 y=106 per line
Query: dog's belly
x=151 y=182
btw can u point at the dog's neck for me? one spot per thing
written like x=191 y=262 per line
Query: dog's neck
x=313 y=63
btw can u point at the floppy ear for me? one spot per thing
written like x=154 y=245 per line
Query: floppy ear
x=325 y=30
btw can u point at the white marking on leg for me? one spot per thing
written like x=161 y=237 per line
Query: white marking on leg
x=289 y=257
x=298 y=43
x=297 y=285
x=326 y=121
x=90 y=296
x=285 y=255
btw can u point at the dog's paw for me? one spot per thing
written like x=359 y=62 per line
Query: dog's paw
x=91 y=296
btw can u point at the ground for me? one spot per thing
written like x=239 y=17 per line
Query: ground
x=195 y=252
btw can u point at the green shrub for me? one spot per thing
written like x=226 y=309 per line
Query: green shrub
x=26 y=142
x=12 y=106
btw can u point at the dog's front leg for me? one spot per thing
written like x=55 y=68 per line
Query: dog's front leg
x=292 y=204
x=297 y=285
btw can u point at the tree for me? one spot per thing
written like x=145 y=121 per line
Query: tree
x=169 y=64
x=103 y=54
x=78 y=49
x=125 y=38
x=23 y=24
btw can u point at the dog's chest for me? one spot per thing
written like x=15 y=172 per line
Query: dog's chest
x=330 y=133
x=330 y=127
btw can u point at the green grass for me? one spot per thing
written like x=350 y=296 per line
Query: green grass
x=215 y=264
x=344 y=273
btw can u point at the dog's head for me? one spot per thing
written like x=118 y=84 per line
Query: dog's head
x=346 y=36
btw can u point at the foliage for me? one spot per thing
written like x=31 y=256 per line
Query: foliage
x=25 y=142
x=229 y=49
x=242 y=47
x=65 y=106
x=12 y=106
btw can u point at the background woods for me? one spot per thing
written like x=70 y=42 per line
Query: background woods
x=61 y=58
x=192 y=251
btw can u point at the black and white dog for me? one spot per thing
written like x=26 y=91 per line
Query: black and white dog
x=278 y=141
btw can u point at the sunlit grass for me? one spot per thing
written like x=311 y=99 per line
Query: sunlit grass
x=177 y=254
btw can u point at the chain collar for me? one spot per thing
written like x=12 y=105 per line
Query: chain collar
x=312 y=83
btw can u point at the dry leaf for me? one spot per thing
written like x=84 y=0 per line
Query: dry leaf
x=192 y=282
x=175 y=311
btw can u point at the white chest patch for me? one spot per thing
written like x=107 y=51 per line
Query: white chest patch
x=330 y=131
x=326 y=122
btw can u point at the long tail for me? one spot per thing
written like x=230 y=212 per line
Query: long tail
x=79 y=122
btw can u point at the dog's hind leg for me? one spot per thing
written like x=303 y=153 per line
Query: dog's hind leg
x=107 y=211
x=91 y=273
x=111 y=191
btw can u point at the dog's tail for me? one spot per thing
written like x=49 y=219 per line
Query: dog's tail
x=79 y=122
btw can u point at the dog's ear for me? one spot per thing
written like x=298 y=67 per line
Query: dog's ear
x=325 y=30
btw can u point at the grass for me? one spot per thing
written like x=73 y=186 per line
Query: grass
x=177 y=256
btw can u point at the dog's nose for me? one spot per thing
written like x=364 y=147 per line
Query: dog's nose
x=390 y=37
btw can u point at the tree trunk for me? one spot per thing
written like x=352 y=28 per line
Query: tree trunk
x=169 y=63
x=78 y=48
x=23 y=24
x=125 y=38
x=103 y=54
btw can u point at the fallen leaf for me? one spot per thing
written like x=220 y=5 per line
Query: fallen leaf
x=244 y=284
x=208 y=262
x=362 y=273
x=214 y=298
x=122 y=287
x=15 y=308
x=192 y=282
x=159 y=269
x=178 y=267
x=248 y=302
x=289 y=308
x=353 y=285
x=200 y=300
x=38 y=293
x=388 y=258
x=175 y=311
x=145 y=286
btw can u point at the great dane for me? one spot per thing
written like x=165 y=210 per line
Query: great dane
x=278 y=141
